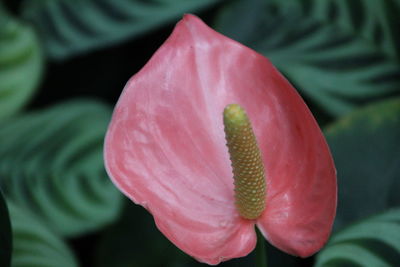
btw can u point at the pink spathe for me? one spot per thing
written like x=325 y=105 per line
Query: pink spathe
x=165 y=148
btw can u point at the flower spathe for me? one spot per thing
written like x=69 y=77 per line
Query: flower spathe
x=165 y=148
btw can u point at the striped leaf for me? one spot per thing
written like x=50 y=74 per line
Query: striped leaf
x=72 y=27
x=375 y=21
x=21 y=64
x=52 y=165
x=369 y=243
x=339 y=54
x=34 y=244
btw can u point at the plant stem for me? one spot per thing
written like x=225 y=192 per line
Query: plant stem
x=261 y=253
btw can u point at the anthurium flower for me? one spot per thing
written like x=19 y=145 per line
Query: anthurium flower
x=166 y=149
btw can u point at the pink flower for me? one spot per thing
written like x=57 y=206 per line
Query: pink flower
x=165 y=148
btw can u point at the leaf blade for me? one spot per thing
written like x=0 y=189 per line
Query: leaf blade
x=71 y=28
x=364 y=145
x=351 y=245
x=34 y=244
x=21 y=64
x=52 y=163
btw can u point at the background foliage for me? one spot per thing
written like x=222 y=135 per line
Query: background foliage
x=64 y=63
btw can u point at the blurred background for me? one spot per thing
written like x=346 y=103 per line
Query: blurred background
x=63 y=64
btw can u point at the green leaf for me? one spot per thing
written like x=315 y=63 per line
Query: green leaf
x=35 y=244
x=5 y=233
x=331 y=50
x=52 y=164
x=21 y=64
x=375 y=21
x=369 y=243
x=73 y=27
x=365 y=147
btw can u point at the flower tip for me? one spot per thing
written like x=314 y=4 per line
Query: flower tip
x=234 y=114
x=190 y=18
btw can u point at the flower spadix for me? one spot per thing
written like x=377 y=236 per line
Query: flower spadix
x=247 y=165
x=166 y=150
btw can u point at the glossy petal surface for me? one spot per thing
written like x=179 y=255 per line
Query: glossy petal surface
x=301 y=177
x=165 y=147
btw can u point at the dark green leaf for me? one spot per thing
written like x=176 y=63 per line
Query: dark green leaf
x=72 y=27
x=34 y=244
x=366 y=149
x=375 y=21
x=5 y=233
x=332 y=55
x=369 y=243
x=21 y=64
x=52 y=164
